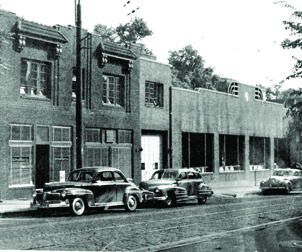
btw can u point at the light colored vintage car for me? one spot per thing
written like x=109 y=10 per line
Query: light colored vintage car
x=91 y=187
x=177 y=185
x=286 y=179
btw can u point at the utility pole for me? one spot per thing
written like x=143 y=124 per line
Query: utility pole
x=79 y=123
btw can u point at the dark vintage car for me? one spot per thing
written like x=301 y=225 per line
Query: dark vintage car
x=177 y=185
x=91 y=187
x=285 y=179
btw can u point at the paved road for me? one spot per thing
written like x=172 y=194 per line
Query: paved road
x=150 y=229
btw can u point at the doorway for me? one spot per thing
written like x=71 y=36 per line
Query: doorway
x=42 y=165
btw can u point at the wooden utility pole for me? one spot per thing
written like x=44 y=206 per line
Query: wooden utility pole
x=79 y=123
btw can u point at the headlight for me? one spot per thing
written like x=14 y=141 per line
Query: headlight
x=63 y=194
x=156 y=190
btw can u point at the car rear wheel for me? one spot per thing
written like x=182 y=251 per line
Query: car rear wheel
x=202 y=200
x=77 y=206
x=287 y=189
x=131 y=203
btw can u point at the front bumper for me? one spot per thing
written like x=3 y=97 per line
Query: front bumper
x=272 y=187
x=50 y=200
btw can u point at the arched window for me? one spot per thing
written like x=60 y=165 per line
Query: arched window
x=233 y=88
x=258 y=94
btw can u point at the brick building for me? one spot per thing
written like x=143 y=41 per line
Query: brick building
x=133 y=119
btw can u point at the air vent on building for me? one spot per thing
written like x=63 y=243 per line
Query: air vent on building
x=258 y=94
x=233 y=88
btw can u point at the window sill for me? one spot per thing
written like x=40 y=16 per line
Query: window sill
x=31 y=97
x=21 y=186
x=259 y=170
x=153 y=106
x=223 y=172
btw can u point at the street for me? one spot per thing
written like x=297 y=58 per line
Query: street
x=254 y=223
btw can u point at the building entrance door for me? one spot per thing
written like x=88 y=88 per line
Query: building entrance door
x=42 y=165
x=152 y=158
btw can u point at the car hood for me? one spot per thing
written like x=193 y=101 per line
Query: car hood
x=279 y=178
x=57 y=185
x=152 y=183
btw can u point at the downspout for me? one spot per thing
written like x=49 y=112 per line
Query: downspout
x=170 y=129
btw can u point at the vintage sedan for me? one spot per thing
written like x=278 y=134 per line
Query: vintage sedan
x=177 y=185
x=286 y=179
x=88 y=188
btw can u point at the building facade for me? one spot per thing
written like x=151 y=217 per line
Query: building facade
x=133 y=119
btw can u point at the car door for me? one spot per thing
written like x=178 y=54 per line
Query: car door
x=183 y=182
x=295 y=180
x=105 y=189
x=193 y=184
x=121 y=185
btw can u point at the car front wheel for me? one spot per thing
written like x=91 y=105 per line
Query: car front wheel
x=131 y=204
x=77 y=206
x=202 y=200
x=170 y=200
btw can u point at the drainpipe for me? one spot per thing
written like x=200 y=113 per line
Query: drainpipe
x=170 y=127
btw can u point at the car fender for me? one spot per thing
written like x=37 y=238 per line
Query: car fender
x=133 y=190
x=165 y=190
x=87 y=195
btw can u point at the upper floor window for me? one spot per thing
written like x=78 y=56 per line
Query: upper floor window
x=35 y=78
x=233 y=88
x=154 y=93
x=258 y=94
x=113 y=90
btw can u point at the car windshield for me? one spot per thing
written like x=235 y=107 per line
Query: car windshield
x=283 y=173
x=170 y=175
x=81 y=176
x=157 y=175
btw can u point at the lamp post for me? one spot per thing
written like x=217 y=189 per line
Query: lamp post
x=79 y=123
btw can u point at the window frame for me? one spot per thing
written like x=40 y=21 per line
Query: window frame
x=113 y=93
x=35 y=85
x=154 y=94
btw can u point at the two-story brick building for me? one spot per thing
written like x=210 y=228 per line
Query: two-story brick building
x=133 y=119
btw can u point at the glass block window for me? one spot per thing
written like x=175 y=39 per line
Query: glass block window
x=21 y=133
x=113 y=90
x=93 y=135
x=125 y=136
x=61 y=134
x=35 y=78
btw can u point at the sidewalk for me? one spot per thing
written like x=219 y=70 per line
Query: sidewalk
x=22 y=207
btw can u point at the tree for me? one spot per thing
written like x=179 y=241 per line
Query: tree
x=127 y=34
x=295 y=28
x=188 y=67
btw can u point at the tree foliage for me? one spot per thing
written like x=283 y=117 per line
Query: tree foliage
x=127 y=34
x=189 y=71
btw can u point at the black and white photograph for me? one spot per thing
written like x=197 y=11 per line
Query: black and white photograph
x=147 y=125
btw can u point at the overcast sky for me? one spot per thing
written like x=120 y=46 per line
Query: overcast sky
x=239 y=38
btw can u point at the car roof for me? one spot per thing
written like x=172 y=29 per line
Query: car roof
x=181 y=170
x=97 y=169
x=287 y=169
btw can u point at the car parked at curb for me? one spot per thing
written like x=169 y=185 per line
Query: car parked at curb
x=170 y=186
x=91 y=187
x=285 y=179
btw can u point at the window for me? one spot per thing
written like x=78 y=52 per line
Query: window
x=113 y=90
x=93 y=135
x=154 y=93
x=124 y=136
x=61 y=134
x=21 y=133
x=35 y=78
x=233 y=89
x=258 y=94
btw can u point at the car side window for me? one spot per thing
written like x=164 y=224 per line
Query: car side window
x=182 y=175
x=191 y=175
x=296 y=173
x=118 y=177
x=106 y=176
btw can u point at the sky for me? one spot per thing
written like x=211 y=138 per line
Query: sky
x=239 y=38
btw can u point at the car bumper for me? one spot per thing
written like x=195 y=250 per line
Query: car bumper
x=272 y=187
x=51 y=204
